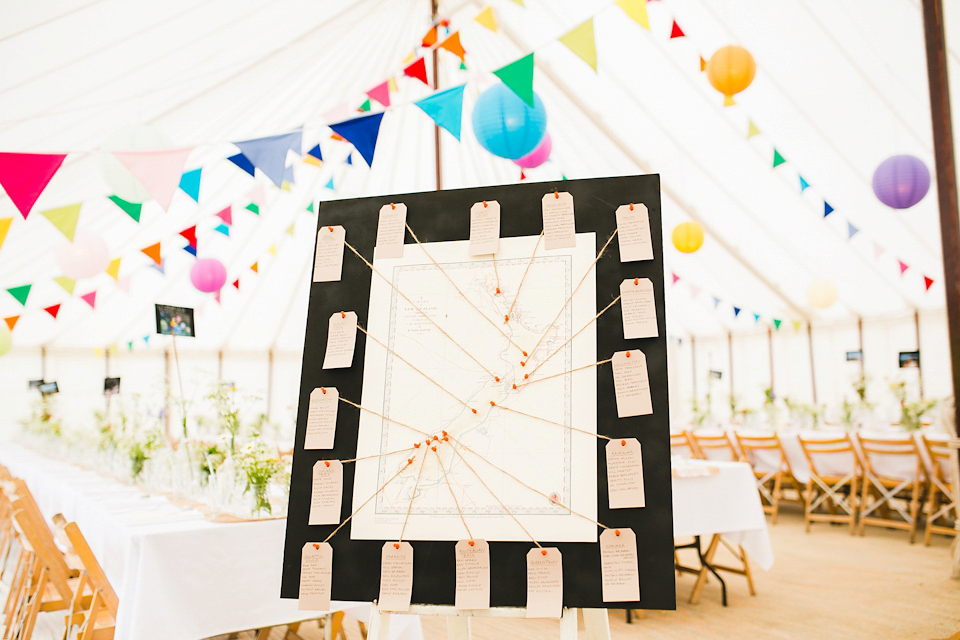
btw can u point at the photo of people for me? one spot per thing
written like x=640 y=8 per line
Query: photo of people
x=175 y=321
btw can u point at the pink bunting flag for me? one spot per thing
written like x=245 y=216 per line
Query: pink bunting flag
x=90 y=299
x=694 y=290
x=226 y=215
x=903 y=266
x=676 y=278
x=124 y=284
x=24 y=176
x=381 y=93
x=257 y=195
x=877 y=250
x=216 y=296
x=158 y=171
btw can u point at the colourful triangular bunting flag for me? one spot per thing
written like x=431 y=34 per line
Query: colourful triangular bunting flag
x=270 y=154
x=752 y=129
x=190 y=183
x=777 y=158
x=244 y=163
x=161 y=267
x=315 y=153
x=190 y=235
x=192 y=250
x=851 y=230
x=290 y=230
x=877 y=250
x=67 y=283
x=676 y=31
x=756 y=318
x=518 y=76
x=776 y=324
x=310 y=207
x=487 y=19
x=927 y=282
x=736 y=311
x=158 y=171
x=132 y=209
x=90 y=299
x=381 y=93
x=253 y=207
x=429 y=38
x=113 y=269
x=804 y=185
x=827 y=209
x=636 y=10
x=4 y=228
x=24 y=176
x=64 y=219
x=445 y=108
x=349 y=159
x=255 y=267
x=273 y=250
x=226 y=215
x=153 y=252
x=417 y=69
x=224 y=229
x=703 y=64
x=716 y=302
x=20 y=293
x=392 y=84
x=329 y=184
x=903 y=266
x=362 y=133
x=452 y=44
x=236 y=284
x=676 y=278
x=582 y=42
x=53 y=310
x=796 y=325
x=11 y=322
x=363 y=108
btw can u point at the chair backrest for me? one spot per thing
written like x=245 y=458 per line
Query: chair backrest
x=38 y=536
x=682 y=445
x=940 y=457
x=717 y=447
x=92 y=567
x=764 y=453
x=890 y=457
x=830 y=457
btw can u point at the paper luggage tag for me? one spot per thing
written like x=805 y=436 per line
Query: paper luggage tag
x=391 y=229
x=484 y=228
x=619 y=569
x=341 y=339
x=633 y=233
x=396 y=577
x=544 y=583
x=322 y=418
x=631 y=384
x=638 y=308
x=624 y=473
x=316 y=567
x=559 y=223
x=473 y=574
x=327 y=492
x=328 y=263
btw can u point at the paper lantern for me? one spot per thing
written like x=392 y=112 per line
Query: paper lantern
x=208 y=275
x=129 y=138
x=6 y=338
x=901 y=181
x=538 y=156
x=85 y=257
x=731 y=70
x=821 y=294
x=688 y=237
x=505 y=125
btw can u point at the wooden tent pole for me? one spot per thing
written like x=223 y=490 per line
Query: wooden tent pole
x=436 y=85
x=946 y=169
x=770 y=351
x=916 y=328
x=860 y=340
x=813 y=375
x=730 y=359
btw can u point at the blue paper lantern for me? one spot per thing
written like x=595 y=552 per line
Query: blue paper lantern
x=505 y=125
x=901 y=181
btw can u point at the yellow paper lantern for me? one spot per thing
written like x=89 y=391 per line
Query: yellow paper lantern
x=688 y=237
x=731 y=70
x=6 y=339
x=821 y=294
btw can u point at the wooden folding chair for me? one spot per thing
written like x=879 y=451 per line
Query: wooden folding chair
x=828 y=488
x=882 y=493
x=681 y=445
x=97 y=621
x=773 y=474
x=715 y=447
x=940 y=496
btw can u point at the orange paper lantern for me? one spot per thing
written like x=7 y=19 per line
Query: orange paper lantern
x=731 y=70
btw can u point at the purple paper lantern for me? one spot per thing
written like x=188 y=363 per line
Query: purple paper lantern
x=208 y=275
x=901 y=181
x=538 y=156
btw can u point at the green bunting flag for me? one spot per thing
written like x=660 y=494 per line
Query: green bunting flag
x=254 y=207
x=20 y=293
x=364 y=107
x=776 y=324
x=132 y=209
x=518 y=76
x=310 y=207
x=777 y=158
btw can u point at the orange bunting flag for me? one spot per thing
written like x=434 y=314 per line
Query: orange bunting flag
x=11 y=322
x=255 y=268
x=53 y=311
x=430 y=38
x=153 y=252
x=703 y=64
x=452 y=44
x=676 y=31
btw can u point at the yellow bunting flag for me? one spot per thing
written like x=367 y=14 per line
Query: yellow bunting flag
x=290 y=229
x=581 y=41
x=410 y=57
x=703 y=64
x=97 y=351
x=636 y=10
x=113 y=269
x=285 y=186
x=487 y=19
x=66 y=283
x=392 y=84
x=4 y=227
x=519 y=2
x=796 y=325
x=309 y=159
x=255 y=268
x=752 y=129
x=64 y=219
x=273 y=250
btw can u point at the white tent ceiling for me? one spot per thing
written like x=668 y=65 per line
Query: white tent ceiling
x=840 y=87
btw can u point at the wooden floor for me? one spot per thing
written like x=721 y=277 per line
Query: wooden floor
x=825 y=584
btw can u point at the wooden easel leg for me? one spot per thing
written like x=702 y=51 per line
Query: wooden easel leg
x=379 y=628
x=568 y=624
x=458 y=627
x=596 y=624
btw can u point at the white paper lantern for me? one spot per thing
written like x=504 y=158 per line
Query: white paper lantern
x=821 y=294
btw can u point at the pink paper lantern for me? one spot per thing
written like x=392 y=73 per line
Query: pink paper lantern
x=85 y=257
x=208 y=275
x=538 y=156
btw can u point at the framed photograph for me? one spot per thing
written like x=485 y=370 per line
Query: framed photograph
x=49 y=388
x=34 y=384
x=175 y=321
x=111 y=386
x=854 y=356
x=909 y=359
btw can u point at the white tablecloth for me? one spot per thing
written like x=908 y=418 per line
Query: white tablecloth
x=727 y=503
x=178 y=576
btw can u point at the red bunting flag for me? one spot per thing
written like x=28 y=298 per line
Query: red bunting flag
x=24 y=176
x=90 y=299
x=523 y=176
x=418 y=70
x=236 y=284
x=676 y=31
x=452 y=44
x=153 y=252
x=11 y=322
x=903 y=266
x=53 y=311
x=928 y=282
x=190 y=235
